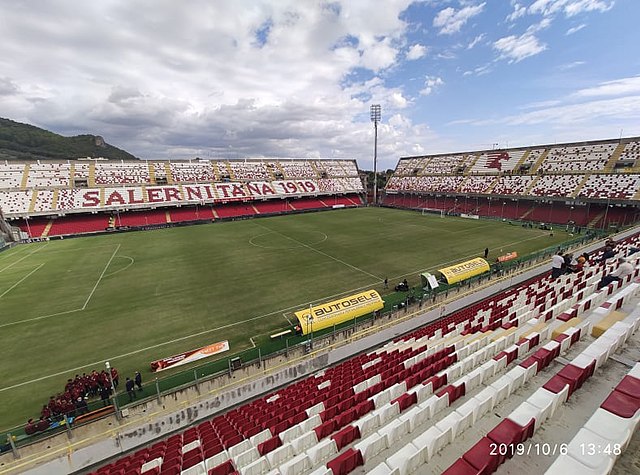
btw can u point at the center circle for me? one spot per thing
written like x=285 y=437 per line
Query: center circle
x=291 y=240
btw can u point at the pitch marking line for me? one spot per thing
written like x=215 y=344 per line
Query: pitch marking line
x=322 y=253
x=71 y=370
x=324 y=238
x=20 y=281
x=100 y=278
x=66 y=312
x=285 y=316
x=132 y=261
x=253 y=343
x=8 y=254
x=23 y=258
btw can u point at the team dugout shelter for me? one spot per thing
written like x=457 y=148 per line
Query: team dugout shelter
x=463 y=271
x=338 y=311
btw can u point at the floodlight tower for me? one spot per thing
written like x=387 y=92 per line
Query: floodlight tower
x=376 y=112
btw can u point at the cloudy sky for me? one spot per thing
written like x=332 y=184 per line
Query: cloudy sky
x=295 y=78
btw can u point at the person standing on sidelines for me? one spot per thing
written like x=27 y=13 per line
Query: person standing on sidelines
x=138 y=380
x=486 y=252
x=129 y=385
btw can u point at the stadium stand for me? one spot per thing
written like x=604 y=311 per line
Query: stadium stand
x=398 y=408
x=112 y=189
x=549 y=182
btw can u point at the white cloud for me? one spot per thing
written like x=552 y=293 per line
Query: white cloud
x=225 y=78
x=516 y=48
x=475 y=41
x=450 y=20
x=581 y=6
x=612 y=88
x=572 y=65
x=540 y=104
x=541 y=25
x=620 y=108
x=518 y=11
x=569 y=7
x=430 y=84
x=416 y=51
x=398 y=100
x=479 y=71
x=575 y=29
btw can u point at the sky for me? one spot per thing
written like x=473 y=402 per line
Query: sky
x=296 y=78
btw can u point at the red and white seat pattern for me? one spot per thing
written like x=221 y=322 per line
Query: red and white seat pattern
x=442 y=183
x=340 y=185
x=620 y=186
x=81 y=170
x=631 y=151
x=43 y=201
x=11 y=175
x=121 y=173
x=445 y=164
x=45 y=175
x=598 y=444
x=15 y=202
x=497 y=161
x=411 y=166
x=579 y=158
x=249 y=171
x=192 y=172
x=297 y=169
x=477 y=184
x=534 y=156
x=556 y=185
x=513 y=184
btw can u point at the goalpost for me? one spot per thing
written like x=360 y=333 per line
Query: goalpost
x=433 y=211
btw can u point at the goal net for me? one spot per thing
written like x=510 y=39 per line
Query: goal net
x=433 y=211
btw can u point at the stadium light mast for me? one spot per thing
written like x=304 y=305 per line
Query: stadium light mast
x=376 y=113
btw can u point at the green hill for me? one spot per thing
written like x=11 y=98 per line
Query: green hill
x=26 y=142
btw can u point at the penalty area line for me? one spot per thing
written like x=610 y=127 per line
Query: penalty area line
x=20 y=281
x=23 y=258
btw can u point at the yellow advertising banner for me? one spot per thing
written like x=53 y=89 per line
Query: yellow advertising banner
x=337 y=311
x=464 y=270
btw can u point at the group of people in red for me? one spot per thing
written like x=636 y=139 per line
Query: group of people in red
x=73 y=401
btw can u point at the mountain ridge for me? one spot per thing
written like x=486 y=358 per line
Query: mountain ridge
x=19 y=141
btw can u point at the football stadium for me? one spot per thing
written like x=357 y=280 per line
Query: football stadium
x=334 y=237
x=202 y=277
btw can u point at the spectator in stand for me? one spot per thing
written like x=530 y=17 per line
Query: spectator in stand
x=138 y=380
x=609 y=251
x=582 y=262
x=569 y=263
x=557 y=264
x=623 y=270
x=129 y=385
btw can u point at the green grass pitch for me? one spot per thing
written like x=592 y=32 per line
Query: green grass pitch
x=67 y=306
